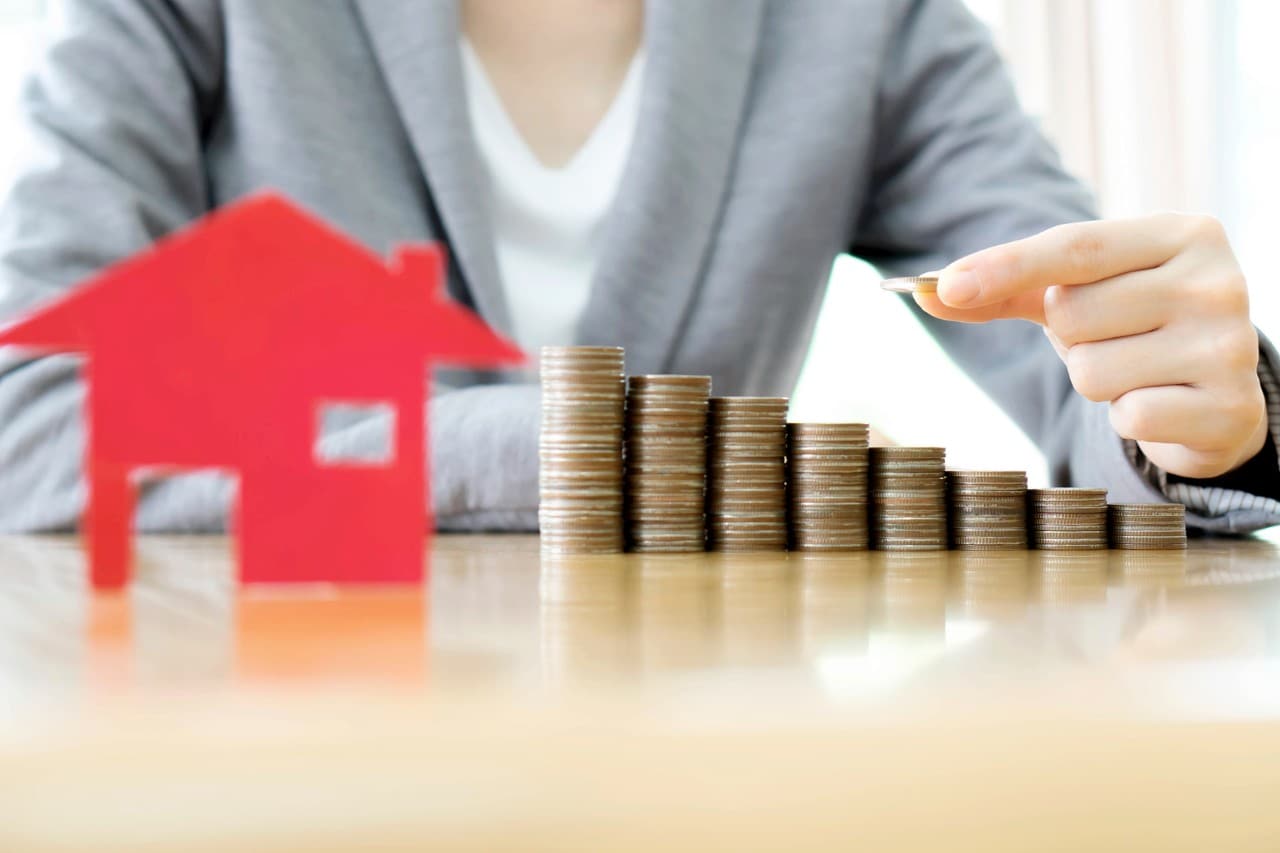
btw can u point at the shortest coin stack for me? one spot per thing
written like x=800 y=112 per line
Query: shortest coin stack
x=827 y=486
x=746 y=474
x=1151 y=527
x=1068 y=519
x=988 y=510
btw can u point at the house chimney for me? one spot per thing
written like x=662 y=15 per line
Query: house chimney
x=422 y=265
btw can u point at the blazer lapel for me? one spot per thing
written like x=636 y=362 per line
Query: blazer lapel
x=698 y=71
x=416 y=43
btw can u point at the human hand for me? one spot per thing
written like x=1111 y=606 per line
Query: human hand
x=1150 y=315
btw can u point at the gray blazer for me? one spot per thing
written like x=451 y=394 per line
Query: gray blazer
x=774 y=134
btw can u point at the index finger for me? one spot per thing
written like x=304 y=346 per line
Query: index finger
x=1077 y=253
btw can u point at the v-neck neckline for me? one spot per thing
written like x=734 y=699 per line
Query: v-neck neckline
x=623 y=113
x=682 y=158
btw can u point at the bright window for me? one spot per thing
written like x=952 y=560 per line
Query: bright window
x=1253 y=143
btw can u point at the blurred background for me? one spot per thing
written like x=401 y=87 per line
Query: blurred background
x=1156 y=104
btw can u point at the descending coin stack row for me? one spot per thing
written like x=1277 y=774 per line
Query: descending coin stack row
x=746 y=474
x=827 y=486
x=580 y=449
x=666 y=462
x=728 y=473
x=988 y=510
x=909 y=498
x=1068 y=519
x=1148 y=527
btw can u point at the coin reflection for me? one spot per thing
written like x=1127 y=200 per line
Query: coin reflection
x=1149 y=568
x=990 y=585
x=834 y=601
x=676 y=611
x=1069 y=576
x=914 y=594
x=584 y=618
x=757 y=608
x=1225 y=562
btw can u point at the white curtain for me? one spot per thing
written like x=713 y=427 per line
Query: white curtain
x=1136 y=93
x=1161 y=105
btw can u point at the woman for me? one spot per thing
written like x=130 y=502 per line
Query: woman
x=674 y=177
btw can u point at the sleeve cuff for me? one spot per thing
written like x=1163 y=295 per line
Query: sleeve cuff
x=484 y=457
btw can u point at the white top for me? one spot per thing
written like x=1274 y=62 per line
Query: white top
x=548 y=222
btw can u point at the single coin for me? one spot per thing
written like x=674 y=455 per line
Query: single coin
x=911 y=284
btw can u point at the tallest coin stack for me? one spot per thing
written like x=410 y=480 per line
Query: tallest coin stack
x=580 y=449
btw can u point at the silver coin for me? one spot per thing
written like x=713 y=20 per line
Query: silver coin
x=911 y=284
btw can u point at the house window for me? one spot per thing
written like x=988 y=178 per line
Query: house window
x=355 y=433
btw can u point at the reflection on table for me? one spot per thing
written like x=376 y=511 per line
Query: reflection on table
x=498 y=615
x=907 y=700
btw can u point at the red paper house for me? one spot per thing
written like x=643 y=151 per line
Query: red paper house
x=220 y=347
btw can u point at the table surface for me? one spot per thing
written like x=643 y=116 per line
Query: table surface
x=985 y=701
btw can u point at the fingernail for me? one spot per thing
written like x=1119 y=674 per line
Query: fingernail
x=959 y=288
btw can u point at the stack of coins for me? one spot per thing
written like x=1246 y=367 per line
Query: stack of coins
x=908 y=498
x=988 y=510
x=580 y=449
x=827 y=486
x=1149 y=527
x=1068 y=519
x=746 y=474
x=666 y=461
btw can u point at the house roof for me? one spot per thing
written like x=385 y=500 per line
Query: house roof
x=263 y=274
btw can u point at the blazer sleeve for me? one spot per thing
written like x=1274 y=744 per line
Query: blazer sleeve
x=113 y=121
x=110 y=122
x=958 y=166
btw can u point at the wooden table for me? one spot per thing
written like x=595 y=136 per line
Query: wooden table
x=1020 y=701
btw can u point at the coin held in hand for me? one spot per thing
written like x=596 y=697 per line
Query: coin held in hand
x=911 y=284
